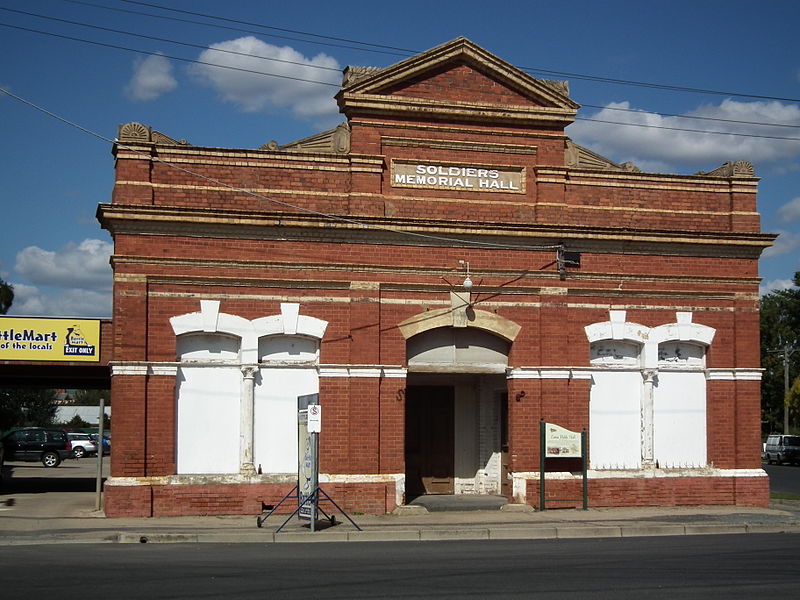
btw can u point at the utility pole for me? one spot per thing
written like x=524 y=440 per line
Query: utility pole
x=787 y=351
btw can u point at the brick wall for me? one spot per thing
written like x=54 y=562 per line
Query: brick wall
x=651 y=244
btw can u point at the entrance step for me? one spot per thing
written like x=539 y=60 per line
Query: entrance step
x=442 y=502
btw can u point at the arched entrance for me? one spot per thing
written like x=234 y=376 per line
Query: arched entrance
x=456 y=396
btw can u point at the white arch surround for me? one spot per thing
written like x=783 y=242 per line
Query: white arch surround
x=210 y=320
x=261 y=429
x=671 y=396
x=290 y=322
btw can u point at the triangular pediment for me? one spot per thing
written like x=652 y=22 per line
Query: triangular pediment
x=459 y=78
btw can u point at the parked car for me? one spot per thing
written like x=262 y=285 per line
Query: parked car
x=106 y=442
x=31 y=444
x=82 y=444
x=782 y=448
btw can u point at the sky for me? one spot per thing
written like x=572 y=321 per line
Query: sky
x=674 y=87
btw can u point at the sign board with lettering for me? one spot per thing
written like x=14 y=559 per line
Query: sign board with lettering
x=449 y=176
x=49 y=339
x=561 y=443
x=307 y=457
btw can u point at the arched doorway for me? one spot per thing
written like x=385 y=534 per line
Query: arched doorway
x=455 y=433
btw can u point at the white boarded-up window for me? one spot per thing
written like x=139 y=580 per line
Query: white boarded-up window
x=276 y=392
x=208 y=406
x=679 y=407
x=615 y=406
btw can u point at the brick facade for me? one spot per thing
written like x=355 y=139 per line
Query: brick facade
x=249 y=228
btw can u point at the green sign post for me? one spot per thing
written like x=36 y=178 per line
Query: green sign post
x=559 y=443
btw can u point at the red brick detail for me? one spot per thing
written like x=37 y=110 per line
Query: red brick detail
x=659 y=491
x=239 y=499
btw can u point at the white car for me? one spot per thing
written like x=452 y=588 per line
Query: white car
x=82 y=444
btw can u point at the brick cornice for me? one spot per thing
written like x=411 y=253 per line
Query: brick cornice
x=187 y=221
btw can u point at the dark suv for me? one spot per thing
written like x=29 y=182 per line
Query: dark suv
x=31 y=444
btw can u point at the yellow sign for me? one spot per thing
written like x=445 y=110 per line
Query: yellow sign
x=49 y=339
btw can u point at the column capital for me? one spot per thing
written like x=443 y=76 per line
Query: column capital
x=249 y=371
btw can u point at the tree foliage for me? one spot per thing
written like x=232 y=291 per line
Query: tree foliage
x=26 y=407
x=780 y=330
x=6 y=296
x=90 y=397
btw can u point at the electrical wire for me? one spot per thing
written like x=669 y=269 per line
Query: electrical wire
x=169 y=41
x=407 y=51
x=179 y=58
x=338 y=70
x=336 y=85
x=239 y=29
x=310 y=211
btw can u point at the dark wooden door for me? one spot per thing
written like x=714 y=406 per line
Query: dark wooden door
x=430 y=459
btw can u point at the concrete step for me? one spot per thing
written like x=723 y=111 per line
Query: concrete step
x=442 y=503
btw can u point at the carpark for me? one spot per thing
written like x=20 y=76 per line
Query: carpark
x=31 y=490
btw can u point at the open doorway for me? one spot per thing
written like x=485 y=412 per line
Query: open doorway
x=455 y=434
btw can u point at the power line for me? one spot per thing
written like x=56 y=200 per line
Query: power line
x=149 y=53
x=304 y=80
x=366 y=46
x=658 y=86
x=170 y=41
x=648 y=126
x=337 y=70
x=273 y=200
x=316 y=35
x=239 y=29
x=693 y=117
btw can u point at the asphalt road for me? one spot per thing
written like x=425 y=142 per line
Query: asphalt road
x=687 y=567
x=784 y=479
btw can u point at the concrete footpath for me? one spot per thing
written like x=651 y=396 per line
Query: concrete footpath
x=414 y=523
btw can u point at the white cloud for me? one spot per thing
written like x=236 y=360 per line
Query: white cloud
x=787 y=242
x=76 y=280
x=254 y=92
x=31 y=301
x=82 y=266
x=665 y=143
x=774 y=285
x=790 y=211
x=152 y=77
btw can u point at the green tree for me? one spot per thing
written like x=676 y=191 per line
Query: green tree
x=76 y=423
x=26 y=407
x=6 y=296
x=90 y=397
x=780 y=340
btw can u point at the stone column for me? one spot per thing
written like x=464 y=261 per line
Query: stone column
x=247 y=420
x=649 y=376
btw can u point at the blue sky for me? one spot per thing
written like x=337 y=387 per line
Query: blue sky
x=54 y=175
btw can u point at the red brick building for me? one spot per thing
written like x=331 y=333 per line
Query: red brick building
x=601 y=297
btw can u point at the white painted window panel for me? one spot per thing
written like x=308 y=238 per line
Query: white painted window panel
x=284 y=347
x=679 y=416
x=275 y=418
x=208 y=346
x=208 y=420
x=615 y=420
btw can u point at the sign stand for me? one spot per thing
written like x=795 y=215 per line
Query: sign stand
x=307 y=491
x=557 y=442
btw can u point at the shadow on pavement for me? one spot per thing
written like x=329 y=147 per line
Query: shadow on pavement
x=33 y=478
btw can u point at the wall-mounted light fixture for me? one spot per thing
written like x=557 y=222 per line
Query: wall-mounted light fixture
x=467 y=279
